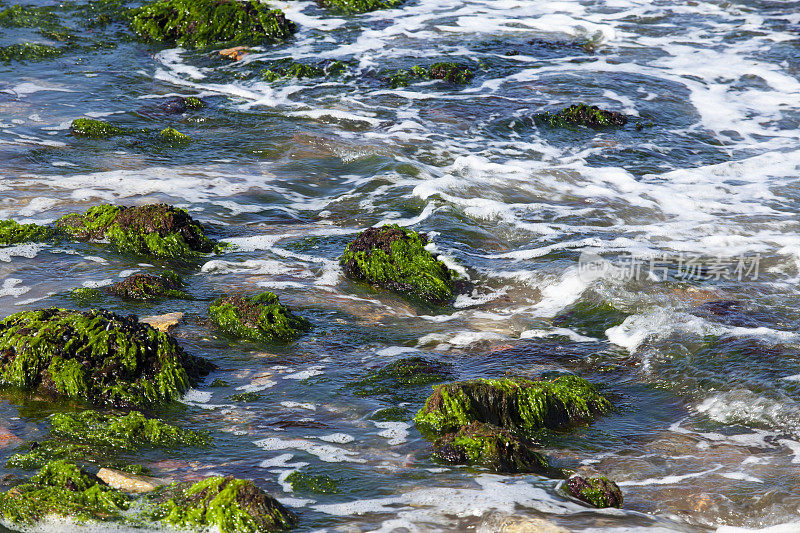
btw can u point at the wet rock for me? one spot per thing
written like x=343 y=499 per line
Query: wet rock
x=95 y=356
x=163 y=323
x=315 y=484
x=515 y=404
x=290 y=69
x=348 y=7
x=130 y=483
x=173 y=136
x=236 y=53
x=246 y=397
x=203 y=23
x=446 y=71
x=582 y=115
x=393 y=382
x=494 y=448
x=177 y=105
x=598 y=491
x=259 y=317
x=7 y=438
x=395 y=258
x=149 y=287
x=98 y=129
x=30 y=52
x=153 y=229
x=590 y=318
x=518 y=524
x=12 y=232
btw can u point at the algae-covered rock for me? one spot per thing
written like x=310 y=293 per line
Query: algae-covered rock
x=394 y=380
x=149 y=287
x=316 y=484
x=246 y=397
x=351 y=7
x=29 y=52
x=229 y=504
x=37 y=454
x=153 y=229
x=582 y=115
x=98 y=129
x=62 y=489
x=173 y=136
x=395 y=258
x=95 y=356
x=202 y=23
x=446 y=71
x=590 y=318
x=12 y=232
x=127 y=432
x=515 y=404
x=84 y=296
x=598 y=491
x=290 y=69
x=259 y=317
x=492 y=447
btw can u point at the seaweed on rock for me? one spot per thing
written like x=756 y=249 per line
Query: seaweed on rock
x=97 y=129
x=598 y=491
x=259 y=317
x=12 y=232
x=582 y=115
x=290 y=69
x=447 y=71
x=148 y=287
x=352 y=7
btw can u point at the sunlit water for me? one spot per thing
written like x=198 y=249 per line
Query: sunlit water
x=707 y=436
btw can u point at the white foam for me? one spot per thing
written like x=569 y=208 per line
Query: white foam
x=325 y=452
x=395 y=432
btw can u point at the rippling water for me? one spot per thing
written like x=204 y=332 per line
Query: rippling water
x=707 y=371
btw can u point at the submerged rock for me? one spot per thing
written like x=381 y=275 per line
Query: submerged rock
x=492 y=447
x=98 y=129
x=153 y=229
x=173 y=136
x=516 y=404
x=599 y=491
x=29 y=52
x=202 y=23
x=149 y=287
x=393 y=381
x=590 y=318
x=395 y=258
x=351 y=7
x=319 y=484
x=290 y=69
x=229 y=504
x=95 y=356
x=447 y=71
x=582 y=115
x=260 y=317
x=12 y=232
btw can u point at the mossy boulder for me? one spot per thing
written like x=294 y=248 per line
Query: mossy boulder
x=204 y=23
x=12 y=232
x=492 y=447
x=598 y=491
x=351 y=7
x=447 y=71
x=148 y=287
x=395 y=258
x=97 y=129
x=173 y=136
x=153 y=229
x=259 y=317
x=582 y=115
x=229 y=504
x=517 y=404
x=310 y=483
x=95 y=356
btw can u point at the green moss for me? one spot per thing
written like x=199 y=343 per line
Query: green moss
x=232 y=505
x=203 y=23
x=321 y=484
x=89 y=127
x=394 y=380
x=29 y=52
x=193 y=102
x=246 y=397
x=590 y=318
x=37 y=454
x=515 y=404
x=395 y=258
x=599 y=491
x=286 y=68
x=12 y=232
x=123 y=432
x=449 y=72
x=62 y=489
x=350 y=7
x=84 y=296
x=259 y=317
x=22 y=16
x=582 y=115
x=173 y=136
x=154 y=229
x=95 y=356
x=391 y=414
x=149 y=287
x=403 y=78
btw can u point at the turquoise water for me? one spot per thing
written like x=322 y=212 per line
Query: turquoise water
x=706 y=371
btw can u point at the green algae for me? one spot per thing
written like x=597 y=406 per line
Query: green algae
x=37 y=454
x=315 y=484
x=229 y=504
x=515 y=404
x=153 y=229
x=22 y=16
x=204 y=23
x=395 y=379
x=352 y=7
x=581 y=115
x=29 y=52
x=259 y=317
x=219 y=383
x=391 y=414
x=95 y=356
x=395 y=258
x=84 y=296
x=193 y=102
x=96 y=129
x=173 y=136
x=590 y=318
x=446 y=71
x=598 y=491
x=289 y=69
x=127 y=432
x=12 y=232
x=148 y=287
x=246 y=397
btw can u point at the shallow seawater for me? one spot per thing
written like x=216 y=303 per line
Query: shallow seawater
x=705 y=369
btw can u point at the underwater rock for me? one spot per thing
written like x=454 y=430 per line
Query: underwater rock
x=97 y=129
x=393 y=381
x=319 y=484
x=582 y=115
x=590 y=318
x=492 y=447
x=352 y=7
x=149 y=287
x=153 y=229
x=95 y=356
x=446 y=71
x=516 y=404
x=178 y=105
x=173 y=136
x=229 y=504
x=598 y=491
x=289 y=69
x=163 y=323
x=498 y=523
x=259 y=317
x=203 y=23
x=395 y=258
x=130 y=483
x=12 y=232
x=29 y=52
